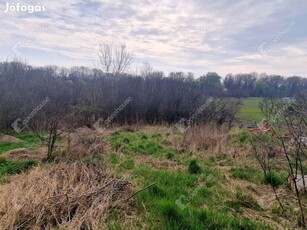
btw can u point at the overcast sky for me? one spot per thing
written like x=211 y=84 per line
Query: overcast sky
x=172 y=35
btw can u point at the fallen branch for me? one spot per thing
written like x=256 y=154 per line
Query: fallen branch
x=141 y=190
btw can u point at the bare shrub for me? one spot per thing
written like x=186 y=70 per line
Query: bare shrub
x=83 y=142
x=64 y=196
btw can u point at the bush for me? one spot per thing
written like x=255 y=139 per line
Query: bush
x=194 y=167
x=274 y=179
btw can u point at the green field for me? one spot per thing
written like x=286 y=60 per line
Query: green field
x=250 y=109
x=28 y=140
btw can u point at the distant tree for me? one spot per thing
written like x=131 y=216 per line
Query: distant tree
x=114 y=59
x=261 y=88
x=146 y=70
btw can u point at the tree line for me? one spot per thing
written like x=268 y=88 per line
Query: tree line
x=82 y=96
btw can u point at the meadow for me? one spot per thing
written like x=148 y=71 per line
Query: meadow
x=250 y=110
x=204 y=178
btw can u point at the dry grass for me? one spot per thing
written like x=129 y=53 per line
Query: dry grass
x=65 y=196
x=83 y=142
x=8 y=139
x=208 y=138
x=159 y=163
x=24 y=154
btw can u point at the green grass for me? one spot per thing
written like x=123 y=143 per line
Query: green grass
x=178 y=199
x=7 y=167
x=250 y=109
x=242 y=200
x=14 y=167
x=239 y=137
x=256 y=176
x=28 y=141
x=248 y=173
x=190 y=197
x=275 y=179
x=139 y=143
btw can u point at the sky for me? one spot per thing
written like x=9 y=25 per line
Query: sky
x=199 y=36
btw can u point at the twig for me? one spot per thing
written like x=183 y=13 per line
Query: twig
x=141 y=190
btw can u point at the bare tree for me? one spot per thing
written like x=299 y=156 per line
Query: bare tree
x=105 y=57
x=115 y=59
x=47 y=131
x=146 y=70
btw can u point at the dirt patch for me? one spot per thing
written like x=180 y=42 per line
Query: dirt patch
x=24 y=154
x=62 y=196
x=8 y=139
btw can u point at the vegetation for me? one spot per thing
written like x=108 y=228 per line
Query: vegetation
x=250 y=109
x=247 y=173
x=14 y=167
x=168 y=158
x=27 y=140
x=194 y=167
x=181 y=192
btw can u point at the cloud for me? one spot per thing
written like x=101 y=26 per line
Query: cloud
x=197 y=36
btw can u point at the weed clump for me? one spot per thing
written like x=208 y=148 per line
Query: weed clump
x=274 y=179
x=194 y=167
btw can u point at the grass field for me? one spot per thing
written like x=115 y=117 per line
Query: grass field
x=250 y=109
x=196 y=190
x=28 y=140
x=191 y=192
x=188 y=188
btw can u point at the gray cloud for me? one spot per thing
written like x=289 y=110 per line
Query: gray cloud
x=155 y=30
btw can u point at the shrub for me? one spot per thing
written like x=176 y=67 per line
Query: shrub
x=194 y=167
x=274 y=179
